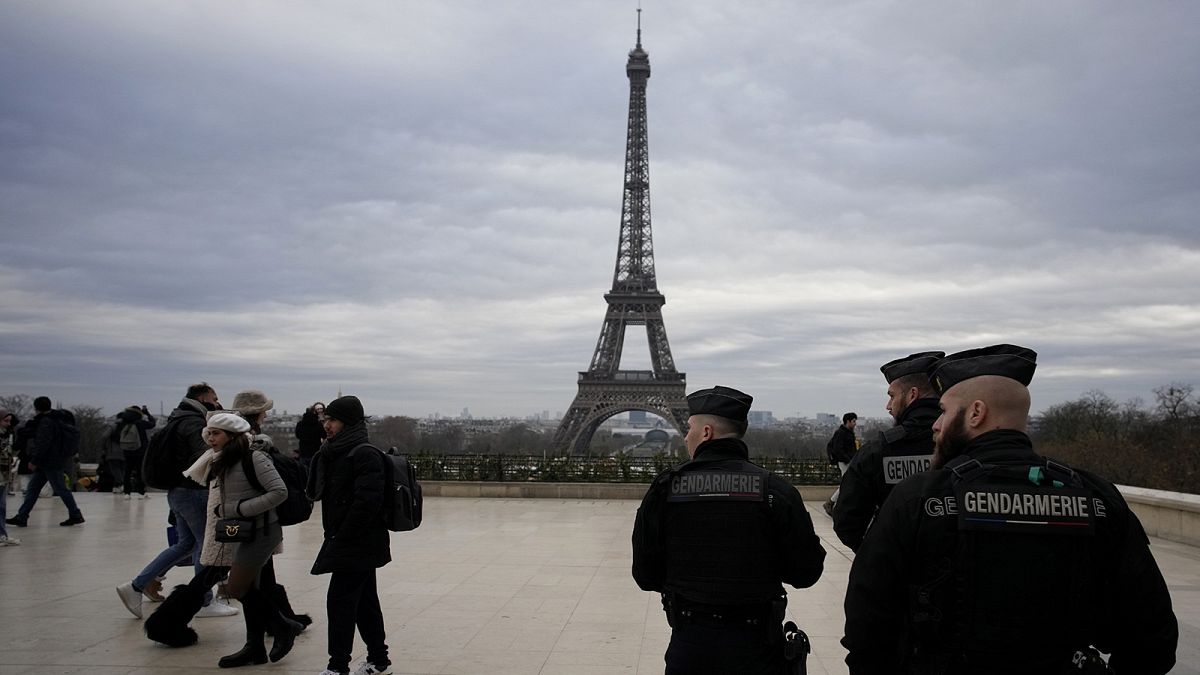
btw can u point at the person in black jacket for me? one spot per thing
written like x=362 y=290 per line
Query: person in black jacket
x=997 y=560
x=894 y=454
x=718 y=536
x=47 y=463
x=841 y=448
x=310 y=431
x=347 y=476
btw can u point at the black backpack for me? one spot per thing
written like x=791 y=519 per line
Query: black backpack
x=66 y=434
x=163 y=466
x=296 y=508
x=402 y=493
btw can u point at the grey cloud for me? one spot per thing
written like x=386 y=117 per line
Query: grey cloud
x=421 y=201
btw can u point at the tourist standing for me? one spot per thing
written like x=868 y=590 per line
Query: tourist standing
x=133 y=424
x=349 y=481
x=310 y=431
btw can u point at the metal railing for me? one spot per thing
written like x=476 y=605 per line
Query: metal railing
x=595 y=469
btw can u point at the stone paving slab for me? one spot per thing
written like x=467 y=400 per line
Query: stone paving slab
x=523 y=586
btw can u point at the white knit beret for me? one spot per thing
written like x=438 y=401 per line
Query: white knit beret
x=230 y=422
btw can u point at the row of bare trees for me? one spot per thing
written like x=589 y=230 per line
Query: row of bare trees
x=1135 y=443
x=1131 y=443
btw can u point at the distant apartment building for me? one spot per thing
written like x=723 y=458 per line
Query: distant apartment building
x=760 y=418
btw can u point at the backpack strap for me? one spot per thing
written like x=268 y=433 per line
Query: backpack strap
x=893 y=434
x=386 y=464
x=251 y=474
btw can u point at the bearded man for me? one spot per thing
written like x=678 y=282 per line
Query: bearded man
x=998 y=560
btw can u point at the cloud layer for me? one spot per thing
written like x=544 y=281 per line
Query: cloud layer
x=419 y=202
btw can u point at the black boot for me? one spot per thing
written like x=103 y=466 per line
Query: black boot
x=169 y=623
x=278 y=595
x=285 y=630
x=253 y=653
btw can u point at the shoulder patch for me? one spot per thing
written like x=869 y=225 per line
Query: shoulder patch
x=1032 y=509
x=896 y=469
x=742 y=486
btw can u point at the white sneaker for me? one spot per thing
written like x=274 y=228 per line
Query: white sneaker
x=6 y=540
x=128 y=497
x=131 y=598
x=368 y=668
x=218 y=607
x=330 y=672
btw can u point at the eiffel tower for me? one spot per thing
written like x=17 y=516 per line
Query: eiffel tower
x=604 y=389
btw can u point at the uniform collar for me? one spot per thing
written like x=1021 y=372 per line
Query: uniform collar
x=921 y=412
x=723 y=448
x=1001 y=442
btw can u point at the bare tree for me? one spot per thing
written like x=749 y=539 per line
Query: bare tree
x=395 y=431
x=1175 y=400
x=93 y=430
x=20 y=405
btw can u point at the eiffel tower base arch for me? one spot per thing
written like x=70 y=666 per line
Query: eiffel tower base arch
x=600 y=399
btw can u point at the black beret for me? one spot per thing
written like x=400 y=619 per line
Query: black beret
x=909 y=365
x=347 y=409
x=1011 y=361
x=720 y=401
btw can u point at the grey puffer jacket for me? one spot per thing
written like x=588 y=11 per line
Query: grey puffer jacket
x=241 y=500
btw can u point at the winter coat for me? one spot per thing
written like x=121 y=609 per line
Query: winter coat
x=841 y=446
x=188 y=442
x=351 y=491
x=22 y=445
x=241 y=500
x=43 y=449
x=8 y=454
x=310 y=432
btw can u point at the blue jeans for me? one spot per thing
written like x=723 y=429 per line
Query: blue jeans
x=37 y=480
x=191 y=519
x=3 y=508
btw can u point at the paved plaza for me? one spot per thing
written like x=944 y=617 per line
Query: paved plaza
x=485 y=586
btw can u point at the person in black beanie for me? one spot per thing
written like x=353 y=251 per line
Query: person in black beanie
x=350 y=480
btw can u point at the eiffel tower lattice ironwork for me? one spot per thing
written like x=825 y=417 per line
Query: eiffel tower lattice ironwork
x=604 y=389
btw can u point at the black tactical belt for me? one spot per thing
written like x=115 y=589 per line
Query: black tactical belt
x=749 y=616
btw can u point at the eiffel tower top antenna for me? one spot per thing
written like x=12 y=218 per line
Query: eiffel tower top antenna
x=639 y=34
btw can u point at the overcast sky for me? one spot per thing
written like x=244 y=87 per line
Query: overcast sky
x=419 y=202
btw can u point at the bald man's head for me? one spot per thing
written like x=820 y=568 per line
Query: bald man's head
x=974 y=407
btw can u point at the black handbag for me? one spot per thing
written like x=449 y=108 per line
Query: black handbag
x=235 y=530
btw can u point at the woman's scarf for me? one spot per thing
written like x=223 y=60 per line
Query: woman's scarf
x=199 y=470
